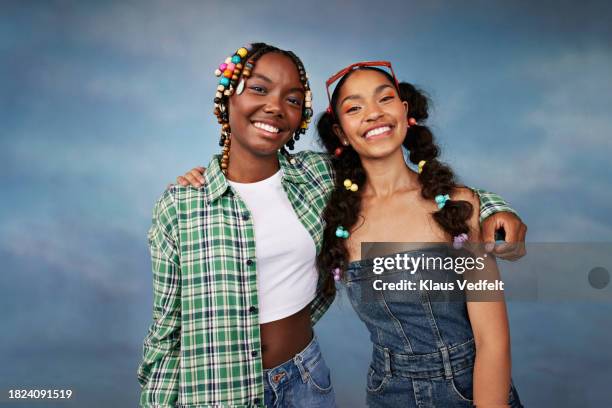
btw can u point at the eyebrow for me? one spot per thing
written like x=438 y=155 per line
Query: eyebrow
x=268 y=80
x=263 y=77
x=378 y=89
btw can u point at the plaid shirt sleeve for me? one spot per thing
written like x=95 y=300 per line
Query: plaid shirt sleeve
x=158 y=373
x=491 y=203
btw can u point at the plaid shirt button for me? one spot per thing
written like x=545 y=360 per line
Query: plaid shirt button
x=249 y=262
x=252 y=309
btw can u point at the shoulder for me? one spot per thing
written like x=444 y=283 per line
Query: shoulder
x=467 y=194
x=309 y=157
x=175 y=199
x=318 y=164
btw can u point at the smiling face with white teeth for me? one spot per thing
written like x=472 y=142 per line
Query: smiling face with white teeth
x=371 y=114
x=265 y=116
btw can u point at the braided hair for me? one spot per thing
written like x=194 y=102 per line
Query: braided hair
x=242 y=63
x=344 y=206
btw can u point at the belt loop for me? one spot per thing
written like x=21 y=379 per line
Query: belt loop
x=387 y=361
x=448 y=370
x=297 y=360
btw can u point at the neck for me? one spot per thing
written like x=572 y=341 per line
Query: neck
x=388 y=175
x=245 y=167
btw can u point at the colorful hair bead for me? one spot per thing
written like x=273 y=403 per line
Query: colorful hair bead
x=336 y=273
x=341 y=232
x=222 y=67
x=441 y=200
x=338 y=151
x=231 y=67
x=412 y=121
x=224 y=81
x=242 y=52
x=236 y=59
x=349 y=185
x=421 y=164
x=459 y=240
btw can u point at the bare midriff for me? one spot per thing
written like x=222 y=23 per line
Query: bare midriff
x=282 y=339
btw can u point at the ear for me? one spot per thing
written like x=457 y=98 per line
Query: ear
x=338 y=132
x=405 y=108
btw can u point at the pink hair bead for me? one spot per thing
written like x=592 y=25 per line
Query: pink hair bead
x=222 y=67
x=336 y=272
x=459 y=240
x=231 y=66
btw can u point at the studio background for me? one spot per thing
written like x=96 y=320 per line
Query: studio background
x=102 y=104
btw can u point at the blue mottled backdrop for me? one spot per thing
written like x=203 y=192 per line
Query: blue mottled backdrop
x=104 y=103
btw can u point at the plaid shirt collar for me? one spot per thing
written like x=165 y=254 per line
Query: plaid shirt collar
x=215 y=182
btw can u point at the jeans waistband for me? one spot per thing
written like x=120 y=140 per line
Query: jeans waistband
x=297 y=367
x=444 y=362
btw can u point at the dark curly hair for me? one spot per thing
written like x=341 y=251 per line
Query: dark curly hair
x=344 y=206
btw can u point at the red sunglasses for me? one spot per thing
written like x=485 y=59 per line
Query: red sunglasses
x=351 y=67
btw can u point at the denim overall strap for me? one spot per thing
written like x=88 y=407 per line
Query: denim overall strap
x=426 y=303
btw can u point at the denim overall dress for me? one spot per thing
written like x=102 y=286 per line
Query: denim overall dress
x=423 y=350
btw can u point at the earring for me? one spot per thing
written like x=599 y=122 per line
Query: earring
x=345 y=142
x=240 y=87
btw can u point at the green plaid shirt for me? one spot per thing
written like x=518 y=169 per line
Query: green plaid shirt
x=203 y=348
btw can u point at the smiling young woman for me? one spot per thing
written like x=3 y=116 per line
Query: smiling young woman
x=232 y=319
x=425 y=353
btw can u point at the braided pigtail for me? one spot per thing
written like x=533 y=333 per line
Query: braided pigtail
x=344 y=203
x=436 y=178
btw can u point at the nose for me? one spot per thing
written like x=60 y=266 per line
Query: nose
x=273 y=106
x=373 y=113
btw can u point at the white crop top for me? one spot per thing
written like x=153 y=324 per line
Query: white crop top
x=286 y=271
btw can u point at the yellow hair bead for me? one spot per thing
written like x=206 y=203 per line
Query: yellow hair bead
x=242 y=52
x=421 y=164
x=349 y=185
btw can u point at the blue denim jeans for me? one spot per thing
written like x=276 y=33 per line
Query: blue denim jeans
x=303 y=381
x=423 y=349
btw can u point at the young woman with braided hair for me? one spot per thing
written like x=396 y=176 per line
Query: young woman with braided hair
x=232 y=319
x=273 y=202
x=425 y=353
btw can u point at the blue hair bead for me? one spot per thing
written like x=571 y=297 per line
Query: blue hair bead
x=441 y=200
x=341 y=232
x=224 y=81
x=236 y=59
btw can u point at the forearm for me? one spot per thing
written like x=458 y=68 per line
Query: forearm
x=492 y=374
